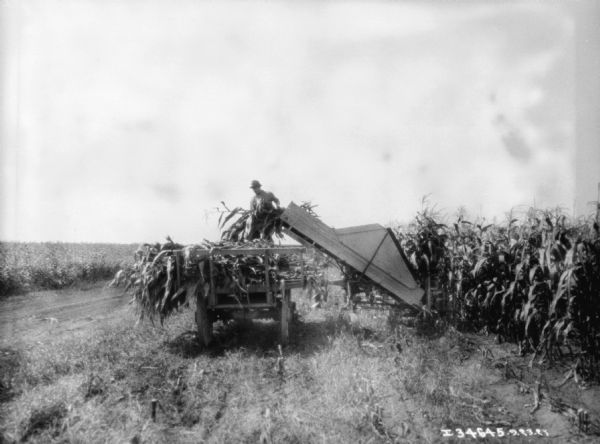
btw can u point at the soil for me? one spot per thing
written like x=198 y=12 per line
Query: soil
x=512 y=381
x=31 y=316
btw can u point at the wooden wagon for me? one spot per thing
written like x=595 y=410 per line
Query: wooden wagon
x=269 y=298
x=370 y=252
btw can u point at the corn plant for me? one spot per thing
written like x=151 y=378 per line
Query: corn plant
x=269 y=224
x=534 y=279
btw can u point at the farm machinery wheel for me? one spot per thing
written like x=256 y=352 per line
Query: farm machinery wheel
x=203 y=321
x=286 y=315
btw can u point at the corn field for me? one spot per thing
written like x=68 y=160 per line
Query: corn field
x=533 y=279
x=52 y=265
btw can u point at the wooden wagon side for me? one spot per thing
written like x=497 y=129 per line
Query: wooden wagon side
x=270 y=299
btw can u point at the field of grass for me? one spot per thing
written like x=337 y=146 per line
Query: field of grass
x=343 y=378
x=336 y=382
x=51 y=265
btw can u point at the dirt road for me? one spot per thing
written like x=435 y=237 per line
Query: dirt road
x=36 y=314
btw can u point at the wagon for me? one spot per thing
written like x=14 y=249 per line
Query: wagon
x=266 y=298
x=371 y=253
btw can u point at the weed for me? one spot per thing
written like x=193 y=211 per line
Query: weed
x=10 y=361
x=48 y=420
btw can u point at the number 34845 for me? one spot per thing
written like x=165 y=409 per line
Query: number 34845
x=498 y=432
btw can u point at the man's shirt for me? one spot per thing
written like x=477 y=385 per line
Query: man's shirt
x=263 y=201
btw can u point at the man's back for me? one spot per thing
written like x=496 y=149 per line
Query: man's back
x=263 y=201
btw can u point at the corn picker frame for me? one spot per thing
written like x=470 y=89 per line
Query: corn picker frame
x=370 y=253
x=267 y=300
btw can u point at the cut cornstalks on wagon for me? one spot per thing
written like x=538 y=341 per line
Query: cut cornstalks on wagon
x=267 y=296
x=226 y=280
x=253 y=280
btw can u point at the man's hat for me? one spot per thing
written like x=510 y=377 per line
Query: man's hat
x=255 y=184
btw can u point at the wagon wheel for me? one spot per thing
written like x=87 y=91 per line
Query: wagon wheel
x=294 y=314
x=202 y=320
x=285 y=314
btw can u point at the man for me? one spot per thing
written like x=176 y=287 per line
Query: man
x=263 y=201
x=264 y=209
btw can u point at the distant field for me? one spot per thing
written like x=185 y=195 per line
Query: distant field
x=51 y=265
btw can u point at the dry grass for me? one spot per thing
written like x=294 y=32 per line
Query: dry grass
x=338 y=381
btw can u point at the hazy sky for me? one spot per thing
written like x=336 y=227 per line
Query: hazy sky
x=127 y=121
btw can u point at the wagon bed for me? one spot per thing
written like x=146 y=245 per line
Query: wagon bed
x=270 y=299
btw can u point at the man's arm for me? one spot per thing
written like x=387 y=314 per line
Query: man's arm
x=275 y=200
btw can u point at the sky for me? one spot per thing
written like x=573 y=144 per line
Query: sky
x=127 y=121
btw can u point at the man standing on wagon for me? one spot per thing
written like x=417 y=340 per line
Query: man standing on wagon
x=264 y=209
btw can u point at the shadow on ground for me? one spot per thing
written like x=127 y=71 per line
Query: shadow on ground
x=10 y=361
x=259 y=337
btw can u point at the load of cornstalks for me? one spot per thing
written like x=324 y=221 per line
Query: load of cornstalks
x=267 y=224
x=165 y=277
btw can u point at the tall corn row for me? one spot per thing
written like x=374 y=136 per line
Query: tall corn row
x=533 y=280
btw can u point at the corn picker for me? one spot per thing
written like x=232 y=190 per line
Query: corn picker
x=254 y=280
x=369 y=255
